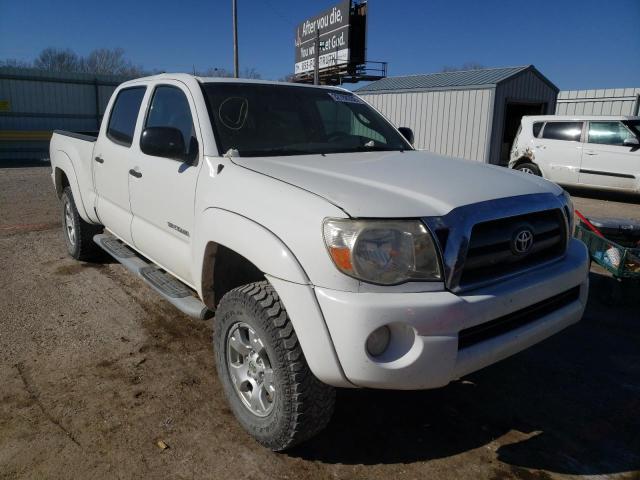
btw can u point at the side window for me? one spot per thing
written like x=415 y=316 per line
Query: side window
x=170 y=108
x=122 y=121
x=537 y=126
x=569 y=131
x=608 y=133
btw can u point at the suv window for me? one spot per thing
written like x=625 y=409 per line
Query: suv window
x=122 y=122
x=608 y=133
x=537 y=126
x=569 y=131
x=170 y=108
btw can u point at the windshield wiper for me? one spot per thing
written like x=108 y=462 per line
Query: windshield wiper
x=378 y=149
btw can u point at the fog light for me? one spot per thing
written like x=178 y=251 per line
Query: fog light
x=378 y=341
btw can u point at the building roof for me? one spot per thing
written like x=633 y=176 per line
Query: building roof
x=482 y=78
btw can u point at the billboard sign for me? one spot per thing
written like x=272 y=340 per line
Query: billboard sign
x=333 y=26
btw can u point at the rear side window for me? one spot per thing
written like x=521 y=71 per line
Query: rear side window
x=122 y=122
x=569 y=131
x=608 y=133
x=537 y=126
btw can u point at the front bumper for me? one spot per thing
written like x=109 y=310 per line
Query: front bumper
x=423 y=352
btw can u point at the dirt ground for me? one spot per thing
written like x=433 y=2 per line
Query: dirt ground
x=95 y=368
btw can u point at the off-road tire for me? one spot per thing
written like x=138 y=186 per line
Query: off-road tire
x=303 y=405
x=83 y=247
x=534 y=170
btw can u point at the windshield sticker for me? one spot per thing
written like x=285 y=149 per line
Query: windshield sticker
x=233 y=112
x=344 y=97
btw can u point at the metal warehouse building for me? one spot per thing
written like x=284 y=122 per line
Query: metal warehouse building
x=609 y=101
x=33 y=103
x=471 y=114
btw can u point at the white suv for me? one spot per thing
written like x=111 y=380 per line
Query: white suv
x=601 y=152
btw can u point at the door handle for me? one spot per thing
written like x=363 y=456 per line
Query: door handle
x=99 y=160
x=590 y=152
x=135 y=173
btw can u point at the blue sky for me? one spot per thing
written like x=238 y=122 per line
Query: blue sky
x=575 y=43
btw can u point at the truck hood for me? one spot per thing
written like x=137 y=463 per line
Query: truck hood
x=397 y=184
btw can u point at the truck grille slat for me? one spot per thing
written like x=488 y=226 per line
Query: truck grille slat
x=491 y=255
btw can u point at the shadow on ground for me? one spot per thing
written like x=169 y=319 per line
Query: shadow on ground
x=569 y=405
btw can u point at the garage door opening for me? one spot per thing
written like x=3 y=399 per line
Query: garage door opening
x=514 y=111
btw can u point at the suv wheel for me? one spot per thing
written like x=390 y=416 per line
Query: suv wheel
x=265 y=376
x=531 y=168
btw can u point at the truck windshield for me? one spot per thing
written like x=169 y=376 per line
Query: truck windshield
x=260 y=120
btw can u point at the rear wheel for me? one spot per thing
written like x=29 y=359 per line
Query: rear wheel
x=266 y=379
x=530 y=168
x=78 y=234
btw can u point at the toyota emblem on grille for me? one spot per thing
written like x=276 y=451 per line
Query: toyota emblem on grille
x=522 y=241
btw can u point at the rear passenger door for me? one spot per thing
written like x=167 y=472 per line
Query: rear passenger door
x=162 y=190
x=606 y=161
x=113 y=154
x=558 y=151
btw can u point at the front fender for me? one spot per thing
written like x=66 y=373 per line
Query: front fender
x=247 y=238
x=271 y=256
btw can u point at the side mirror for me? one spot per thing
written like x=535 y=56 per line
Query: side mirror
x=407 y=133
x=631 y=142
x=163 y=142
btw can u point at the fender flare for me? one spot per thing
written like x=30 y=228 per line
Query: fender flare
x=62 y=162
x=271 y=256
x=259 y=245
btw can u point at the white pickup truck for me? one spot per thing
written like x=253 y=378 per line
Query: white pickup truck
x=332 y=253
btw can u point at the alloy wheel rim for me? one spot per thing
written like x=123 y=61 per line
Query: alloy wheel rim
x=250 y=369
x=69 y=225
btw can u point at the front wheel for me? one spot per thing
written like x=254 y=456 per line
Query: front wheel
x=266 y=379
x=530 y=168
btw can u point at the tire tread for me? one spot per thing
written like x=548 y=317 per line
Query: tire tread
x=312 y=400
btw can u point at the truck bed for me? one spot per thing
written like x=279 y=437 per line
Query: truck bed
x=87 y=136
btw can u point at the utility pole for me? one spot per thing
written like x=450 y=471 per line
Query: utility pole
x=236 y=73
x=316 y=59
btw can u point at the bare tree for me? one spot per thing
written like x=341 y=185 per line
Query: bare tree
x=289 y=77
x=214 y=72
x=464 y=66
x=250 y=73
x=110 y=62
x=15 y=63
x=222 y=72
x=55 y=60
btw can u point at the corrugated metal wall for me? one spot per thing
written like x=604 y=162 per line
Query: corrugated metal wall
x=33 y=103
x=526 y=87
x=449 y=122
x=610 y=101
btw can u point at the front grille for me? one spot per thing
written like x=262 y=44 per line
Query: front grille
x=485 y=331
x=490 y=254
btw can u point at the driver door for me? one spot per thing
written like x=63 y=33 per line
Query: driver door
x=162 y=190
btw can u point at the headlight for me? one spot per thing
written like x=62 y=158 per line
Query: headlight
x=385 y=252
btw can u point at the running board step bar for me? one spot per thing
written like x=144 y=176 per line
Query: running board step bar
x=169 y=287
